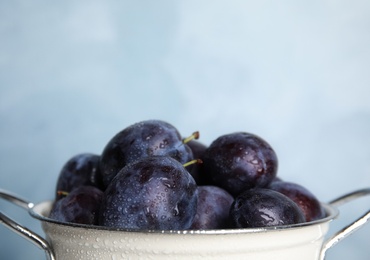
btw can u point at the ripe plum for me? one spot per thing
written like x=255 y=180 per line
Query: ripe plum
x=260 y=207
x=198 y=150
x=154 y=193
x=80 y=170
x=306 y=200
x=143 y=139
x=81 y=205
x=239 y=161
x=213 y=208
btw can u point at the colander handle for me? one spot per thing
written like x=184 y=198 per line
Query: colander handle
x=21 y=230
x=355 y=225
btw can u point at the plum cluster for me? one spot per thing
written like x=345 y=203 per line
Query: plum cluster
x=149 y=177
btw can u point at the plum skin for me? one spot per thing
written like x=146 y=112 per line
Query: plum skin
x=213 y=208
x=239 y=161
x=260 y=207
x=142 y=139
x=80 y=170
x=305 y=199
x=81 y=206
x=154 y=193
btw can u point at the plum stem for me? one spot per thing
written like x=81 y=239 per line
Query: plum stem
x=62 y=193
x=194 y=135
x=192 y=162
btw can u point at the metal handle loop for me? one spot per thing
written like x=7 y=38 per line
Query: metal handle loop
x=355 y=225
x=21 y=230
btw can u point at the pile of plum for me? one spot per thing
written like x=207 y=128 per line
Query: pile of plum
x=149 y=177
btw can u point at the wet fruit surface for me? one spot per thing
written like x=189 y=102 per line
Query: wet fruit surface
x=150 y=178
x=239 y=161
x=143 y=139
x=213 y=208
x=152 y=193
x=82 y=169
x=305 y=199
x=80 y=206
x=264 y=208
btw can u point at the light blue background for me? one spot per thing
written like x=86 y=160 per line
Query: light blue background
x=297 y=73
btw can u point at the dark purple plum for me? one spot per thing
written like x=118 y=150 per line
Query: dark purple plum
x=306 y=200
x=154 y=193
x=143 y=139
x=81 y=206
x=260 y=207
x=213 y=208
x=198 y=150
x=82 y=169
x=239 y=161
